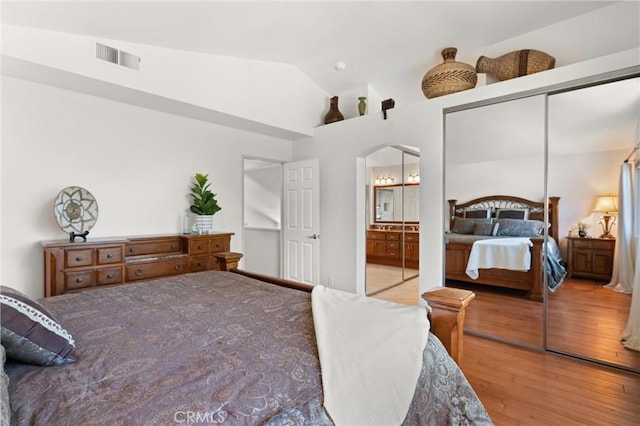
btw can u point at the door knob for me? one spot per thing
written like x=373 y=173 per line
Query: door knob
x=314 y=236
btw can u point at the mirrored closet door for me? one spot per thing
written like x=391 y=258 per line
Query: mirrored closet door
x=494 y=162
x=591 y=131
x=392 y=217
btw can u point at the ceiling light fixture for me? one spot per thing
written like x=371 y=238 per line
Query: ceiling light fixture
x=340 y=66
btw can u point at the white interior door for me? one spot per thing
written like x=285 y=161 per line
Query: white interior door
x=301 y=221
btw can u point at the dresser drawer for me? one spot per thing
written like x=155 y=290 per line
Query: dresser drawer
x=392 y=246
x=199 y=246
x=582 y=244
x=603 y=245
x=218 y=244
x=393 y=236
x=139 y=248
x=412 y=237
x=393 y=253
x=373 y=235
x=199 y=263
x=79 y=279
x=146 y=270
x=78 y=257
x=109 y=276
x=109 y=255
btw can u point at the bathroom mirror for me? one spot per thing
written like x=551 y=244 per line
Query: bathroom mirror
x=397 y=203
x=495 y=150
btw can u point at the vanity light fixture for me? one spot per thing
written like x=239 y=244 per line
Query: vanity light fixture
x=384 y=180
x=606 y=204
x=414 y=178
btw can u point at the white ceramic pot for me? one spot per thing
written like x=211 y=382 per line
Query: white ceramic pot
x=204 y=223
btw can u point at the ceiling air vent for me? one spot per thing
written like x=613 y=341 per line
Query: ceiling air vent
x=115 y=56
x=106 y=53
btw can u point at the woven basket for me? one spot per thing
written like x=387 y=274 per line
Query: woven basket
x=449 y=77
x=515 y=64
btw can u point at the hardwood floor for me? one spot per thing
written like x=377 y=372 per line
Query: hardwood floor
x=521 y=386
x=583 y=317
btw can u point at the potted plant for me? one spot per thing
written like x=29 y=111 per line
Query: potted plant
x=204 y=204
x=582 y=229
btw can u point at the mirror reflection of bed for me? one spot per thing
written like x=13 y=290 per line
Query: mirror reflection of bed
x=497 y=149
x=591 y=130
x=393 y=219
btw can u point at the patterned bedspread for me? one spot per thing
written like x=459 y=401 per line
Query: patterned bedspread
x=204 y=348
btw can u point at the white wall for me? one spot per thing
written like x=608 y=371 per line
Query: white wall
x=137 y=162
x=249 y=90
x=263 y=197
x=577 y=179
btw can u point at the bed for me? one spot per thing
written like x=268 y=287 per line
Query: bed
x=501 y=216
x=208 y=347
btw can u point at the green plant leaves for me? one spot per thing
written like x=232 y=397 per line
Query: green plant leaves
x=203 y=200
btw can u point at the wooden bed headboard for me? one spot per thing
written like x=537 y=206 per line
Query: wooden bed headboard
x=536 y=208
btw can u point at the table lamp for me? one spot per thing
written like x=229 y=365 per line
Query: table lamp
x=606 y=204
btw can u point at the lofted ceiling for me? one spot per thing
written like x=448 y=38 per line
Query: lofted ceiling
x=388 y=45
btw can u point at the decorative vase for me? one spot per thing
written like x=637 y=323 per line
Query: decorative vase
x=449 y=77
x=334 y=113
x=362 y=105
x=515 y=64
x=203 y=223
x=582 y=234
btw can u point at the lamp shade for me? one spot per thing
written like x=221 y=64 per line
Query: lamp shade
x=606 y=204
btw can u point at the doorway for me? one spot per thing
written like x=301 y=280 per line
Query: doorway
x=392 y=217
x=262 y=230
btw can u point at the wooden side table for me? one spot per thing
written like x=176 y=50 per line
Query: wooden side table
x=590 y=258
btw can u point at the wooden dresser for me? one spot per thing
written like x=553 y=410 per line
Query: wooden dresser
x=590 y=258
x=78 y=266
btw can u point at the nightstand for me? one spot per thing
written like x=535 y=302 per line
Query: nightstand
x=590 y=258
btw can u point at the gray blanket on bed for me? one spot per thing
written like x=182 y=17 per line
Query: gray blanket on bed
x=210 y=347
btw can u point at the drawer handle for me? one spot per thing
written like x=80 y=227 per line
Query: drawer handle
x=173 y=246
x=79 y=280
x=79 y=259
x=138 y=272
x=217 y=245
x=109 y=276
x=132 y=250
x=178 y=267
x=109 y=256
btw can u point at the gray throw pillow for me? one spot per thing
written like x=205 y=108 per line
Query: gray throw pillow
x=30 y=333
x=486 y=229
x=520 y=228
x=5 y=409
x=465 y=226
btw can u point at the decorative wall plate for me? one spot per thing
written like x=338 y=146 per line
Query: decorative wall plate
x=76 y=211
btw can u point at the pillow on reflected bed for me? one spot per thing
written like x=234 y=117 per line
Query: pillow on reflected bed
x=30 y=333
x=520 y=228
x=486 y=229
x=466 y=226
